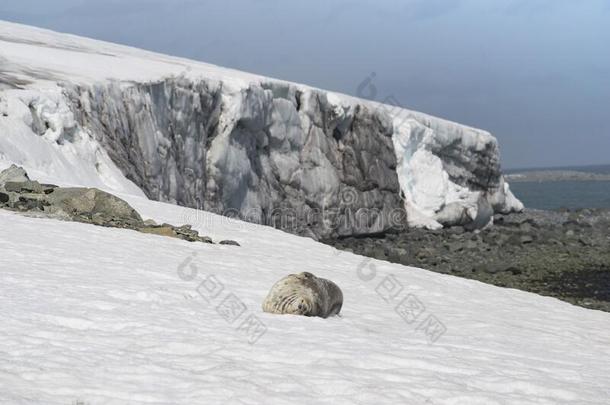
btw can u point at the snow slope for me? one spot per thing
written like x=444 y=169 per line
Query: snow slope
x=106 y=316
x=204 y=136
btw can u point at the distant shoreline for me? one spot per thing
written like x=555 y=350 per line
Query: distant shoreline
x=555 y=175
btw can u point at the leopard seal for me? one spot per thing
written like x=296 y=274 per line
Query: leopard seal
x=304 y=294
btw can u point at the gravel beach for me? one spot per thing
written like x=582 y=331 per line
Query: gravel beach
x=563 y=253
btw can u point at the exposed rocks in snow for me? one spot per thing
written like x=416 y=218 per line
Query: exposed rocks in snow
x=184 y=232
x=304 y=294
x=88 y=205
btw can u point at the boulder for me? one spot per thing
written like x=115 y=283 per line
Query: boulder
x=89 y=204
x=14 y=174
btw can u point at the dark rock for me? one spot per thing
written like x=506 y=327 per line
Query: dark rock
x=229 y=242
x=585 y=241
x=183 y=232
x=30 y=202
x=4 y=198
x=187 y=233
x=48 y=188
x=205 y=239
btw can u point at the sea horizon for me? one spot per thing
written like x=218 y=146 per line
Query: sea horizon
x=558 y=194
x=595 y=168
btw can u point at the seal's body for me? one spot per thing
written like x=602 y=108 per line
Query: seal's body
x=304 y=294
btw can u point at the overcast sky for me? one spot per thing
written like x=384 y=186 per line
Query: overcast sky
x=536 y=73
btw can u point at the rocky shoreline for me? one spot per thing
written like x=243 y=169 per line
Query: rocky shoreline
x=563 y=254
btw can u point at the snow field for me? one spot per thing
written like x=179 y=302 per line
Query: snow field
x=103 y=316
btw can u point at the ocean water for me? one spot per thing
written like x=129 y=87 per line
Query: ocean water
x=563 y=194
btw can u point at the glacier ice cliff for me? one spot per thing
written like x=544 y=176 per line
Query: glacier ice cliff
x=308 y=161
x=270 y=153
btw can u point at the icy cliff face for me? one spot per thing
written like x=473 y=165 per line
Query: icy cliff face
x=270 y=153
x=450 y=175
x=305 y=160
x=38 y=131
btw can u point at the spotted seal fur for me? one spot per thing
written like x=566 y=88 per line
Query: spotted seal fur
x=304 y=294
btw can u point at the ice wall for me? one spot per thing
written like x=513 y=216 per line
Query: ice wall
x=450 y=174
x=270 y=153
x=295 y=158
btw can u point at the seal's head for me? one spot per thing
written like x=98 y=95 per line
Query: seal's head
x=298 y=305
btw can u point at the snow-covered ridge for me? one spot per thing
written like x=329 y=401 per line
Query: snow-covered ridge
x=195 y=134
